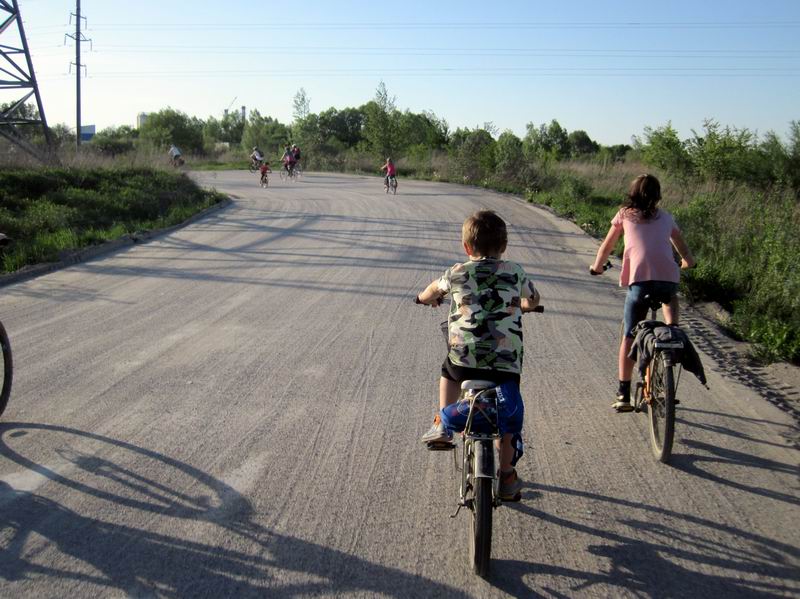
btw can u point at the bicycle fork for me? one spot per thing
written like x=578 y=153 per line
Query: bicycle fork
x=477 y=462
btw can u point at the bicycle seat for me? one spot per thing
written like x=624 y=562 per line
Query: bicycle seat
x=655 y=300
x=477 y=385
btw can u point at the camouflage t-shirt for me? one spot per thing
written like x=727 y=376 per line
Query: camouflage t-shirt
x=485 y=321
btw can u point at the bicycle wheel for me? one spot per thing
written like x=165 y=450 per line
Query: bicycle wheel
x=8 y=369
x=662 y=408
x=480 y=541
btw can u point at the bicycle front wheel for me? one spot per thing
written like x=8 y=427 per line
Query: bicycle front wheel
x=481 y=533
x=8 y=369
x=662 y=407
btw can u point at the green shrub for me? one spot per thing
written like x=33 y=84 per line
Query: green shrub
x=47 y=211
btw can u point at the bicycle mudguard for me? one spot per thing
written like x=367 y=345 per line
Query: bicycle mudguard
x=484 y=460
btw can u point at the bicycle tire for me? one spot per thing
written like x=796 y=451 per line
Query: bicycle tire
x=480 y=540
x=8 y=369
x=662 y=408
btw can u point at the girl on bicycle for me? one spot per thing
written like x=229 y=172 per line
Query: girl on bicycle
x=648 y=266
x=391 y=173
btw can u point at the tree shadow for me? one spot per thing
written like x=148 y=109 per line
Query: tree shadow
x=655 y=556
x=249 y=560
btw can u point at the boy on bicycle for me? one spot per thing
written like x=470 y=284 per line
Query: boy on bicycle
x=488 y=296
x=265 y=170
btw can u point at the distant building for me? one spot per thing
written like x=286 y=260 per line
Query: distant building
x=141 y=119
x=87 y=132
x=244 y=113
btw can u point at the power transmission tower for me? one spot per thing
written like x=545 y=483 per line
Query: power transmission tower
x=79 y=39
x=14 y=75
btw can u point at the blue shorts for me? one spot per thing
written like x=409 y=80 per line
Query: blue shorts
x=509 y=403
x=635 y=306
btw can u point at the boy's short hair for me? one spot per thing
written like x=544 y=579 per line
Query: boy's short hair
x=485 y=233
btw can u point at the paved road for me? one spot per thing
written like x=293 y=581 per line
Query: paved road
x=234 y=409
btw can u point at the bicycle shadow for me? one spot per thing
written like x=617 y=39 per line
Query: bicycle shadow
x=245 y=559
x=650 y=557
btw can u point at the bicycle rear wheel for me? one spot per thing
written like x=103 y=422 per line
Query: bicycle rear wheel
x=480 y=547
x=8 y=369
x=662 y=407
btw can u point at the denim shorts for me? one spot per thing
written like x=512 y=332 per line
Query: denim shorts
x=509 y=403
x=635 y=306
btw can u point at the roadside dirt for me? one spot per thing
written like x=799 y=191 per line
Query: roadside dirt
x=778 y=383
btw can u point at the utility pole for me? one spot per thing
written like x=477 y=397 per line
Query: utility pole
x=15 y=75
x=79 y=39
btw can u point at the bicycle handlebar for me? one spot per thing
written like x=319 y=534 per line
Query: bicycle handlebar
x=539 y=309
x=606 y=266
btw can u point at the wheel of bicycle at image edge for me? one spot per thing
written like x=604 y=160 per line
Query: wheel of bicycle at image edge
x=480 y=541
x=8 y=369
x=662 y=407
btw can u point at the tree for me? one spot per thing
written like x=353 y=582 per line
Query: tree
x=581 y=144
x=421 y=129
x=265 y=132
x=301 y=105
x=170 y=126
x=546 y=141
x=114 y=141
x=476 y=158
x=344 y=126
x=663 y=148
x=380 y=123
x=510 y=157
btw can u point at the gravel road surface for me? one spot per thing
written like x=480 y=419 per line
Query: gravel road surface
x=234 y=409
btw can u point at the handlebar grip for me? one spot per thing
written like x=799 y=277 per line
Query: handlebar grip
x=606 y=266
x=539 y=309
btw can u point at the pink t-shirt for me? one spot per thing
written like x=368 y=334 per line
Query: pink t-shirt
x=648 y=250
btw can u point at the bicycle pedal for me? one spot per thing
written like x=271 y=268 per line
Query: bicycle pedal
x=440 y=446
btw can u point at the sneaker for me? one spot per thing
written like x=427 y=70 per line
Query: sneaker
x=510 y=486
x=437 y=433
x=622 y=405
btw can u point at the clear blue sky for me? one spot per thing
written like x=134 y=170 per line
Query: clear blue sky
x=607 y=67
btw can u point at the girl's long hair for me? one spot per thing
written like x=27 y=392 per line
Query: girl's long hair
x=643 y=197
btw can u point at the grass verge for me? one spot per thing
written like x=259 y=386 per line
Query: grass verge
x=55 y=210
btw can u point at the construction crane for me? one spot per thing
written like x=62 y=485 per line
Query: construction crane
x=231 y=104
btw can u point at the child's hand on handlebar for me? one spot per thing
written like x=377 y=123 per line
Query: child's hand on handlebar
x=600 y=271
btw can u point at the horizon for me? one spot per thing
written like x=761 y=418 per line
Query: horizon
x=590 y=68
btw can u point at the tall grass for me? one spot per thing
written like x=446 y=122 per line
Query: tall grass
x=48 y=211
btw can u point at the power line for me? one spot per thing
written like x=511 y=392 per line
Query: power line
x=471 y=71
x=764 y=24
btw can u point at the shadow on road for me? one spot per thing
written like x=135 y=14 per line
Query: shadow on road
x=248 y=559
x=663 y=556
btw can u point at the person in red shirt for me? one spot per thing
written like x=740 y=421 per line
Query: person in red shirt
x=391 y=173
x=265 y=170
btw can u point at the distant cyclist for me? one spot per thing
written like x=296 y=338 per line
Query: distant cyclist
x=289 y=160
x=391 y=173
x=265 y=170
x=256 y=157
x=175 y=156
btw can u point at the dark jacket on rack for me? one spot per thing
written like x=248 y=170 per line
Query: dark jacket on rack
x=648 y=332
